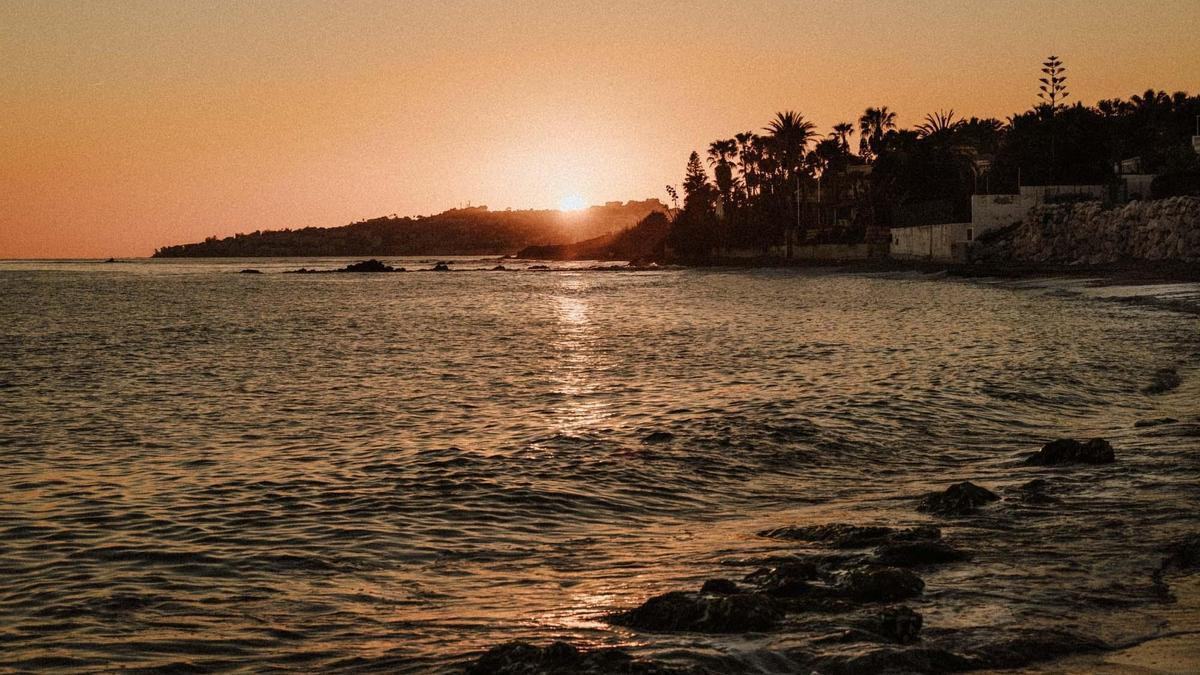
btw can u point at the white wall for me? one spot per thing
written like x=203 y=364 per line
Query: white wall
x=989 y=212
x=944 y=243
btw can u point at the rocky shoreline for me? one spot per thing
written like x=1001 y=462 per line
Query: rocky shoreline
x=852 y=593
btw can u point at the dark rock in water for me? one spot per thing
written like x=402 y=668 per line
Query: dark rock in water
x=1036 y=492
x=249 y=271
x=787 y=580
x=913 y=553
x=837 y=535
x=1183 y=554
x=958 y=499
x=844 y=535
x=560 y=658
x=499 y=268
x=895 y=624
x=682 y=611
x=880 y=584
x=111 y=260
x=1154 y=422
x=893 y=660
x=441 y=267
x=1071 y=451
x=1165 y=379
x=371 y=265
x=1032 y=646
x=538 y=267
x=719 y=587
x=659 y=437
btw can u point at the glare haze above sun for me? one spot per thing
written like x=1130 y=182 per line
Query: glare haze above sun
x=572 y=202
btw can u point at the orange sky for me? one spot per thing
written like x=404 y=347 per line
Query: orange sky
x=125 y=126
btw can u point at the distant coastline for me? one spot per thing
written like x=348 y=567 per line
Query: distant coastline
x=465 y=231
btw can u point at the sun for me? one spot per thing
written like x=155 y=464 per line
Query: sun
x=572 y=202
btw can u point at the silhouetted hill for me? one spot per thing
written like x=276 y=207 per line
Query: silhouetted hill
x=642 y=241
x=469 y=231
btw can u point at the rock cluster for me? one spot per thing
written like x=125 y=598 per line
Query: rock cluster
x=703 y=613
x=850 y=586
x=560 y=658
x=1071 y=451
x=362 y=267
x=1087 y=233
x=1165 y=379
x=959 y=499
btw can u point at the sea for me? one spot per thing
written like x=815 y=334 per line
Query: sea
x=210 y=471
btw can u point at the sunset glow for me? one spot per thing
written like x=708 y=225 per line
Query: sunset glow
x=573 y=202
x=132 y=125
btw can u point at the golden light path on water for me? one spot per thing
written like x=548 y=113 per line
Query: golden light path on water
x=577 y=359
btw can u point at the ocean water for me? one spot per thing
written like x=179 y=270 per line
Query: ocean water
x=218 y=471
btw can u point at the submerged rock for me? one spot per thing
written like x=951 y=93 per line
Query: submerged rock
x=1071 y=451
x=365 y=266
x=787 y=580
x=1036 y=492
x=250 y=271
x=894 y=624
x=914 y=553
x=1183 y=554
x=1165 y=379
x=560 y=658
x=499 y=268
x=893 y=660
x=845 y=535
x=441 y=267
x=699 y=613
x=1154 y=422
x=540 y=268
x=659 y=437
x=1033 y=645
x=371 y=265
x=957 y=500
x=720 y=587
x=880 y=584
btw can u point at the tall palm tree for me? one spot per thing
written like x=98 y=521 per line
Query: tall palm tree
x=790 y=134
x=720 y=152
x=842 y=131
x=748 y=159
x=872 y=125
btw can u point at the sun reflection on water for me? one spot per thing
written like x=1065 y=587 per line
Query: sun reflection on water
x=577 y=358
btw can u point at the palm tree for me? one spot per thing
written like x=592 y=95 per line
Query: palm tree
x=939 y=122
x=790 y=135
x=841 y=132
x=748 y=159
x=720 y=152
x=872 y=125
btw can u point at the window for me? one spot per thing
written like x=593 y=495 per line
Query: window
x=970 y=234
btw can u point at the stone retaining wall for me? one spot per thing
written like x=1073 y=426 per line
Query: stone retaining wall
x=1088 y=234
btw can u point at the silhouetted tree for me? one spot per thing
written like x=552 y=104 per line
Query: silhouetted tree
x=872 y=125
x=1053 y=88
